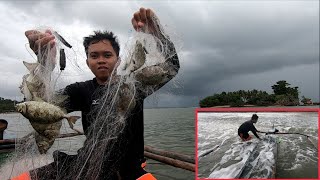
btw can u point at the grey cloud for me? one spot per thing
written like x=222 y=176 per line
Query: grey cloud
x=101 y=14
x=223 y=46
x=213 y=69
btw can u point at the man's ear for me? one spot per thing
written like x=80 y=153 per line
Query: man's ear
x=87 y=62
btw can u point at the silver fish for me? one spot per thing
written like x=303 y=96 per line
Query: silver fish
x=32 y=85
x=137 y=59
x=45 y=118
x=151 y=75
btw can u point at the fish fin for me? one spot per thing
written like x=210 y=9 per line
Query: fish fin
x=72 y=120
x=30 y=66
x=45 y=134
x=48 y=130
x=37 y=127
x=44 y=143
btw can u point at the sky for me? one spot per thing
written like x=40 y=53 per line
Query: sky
x=222 y=45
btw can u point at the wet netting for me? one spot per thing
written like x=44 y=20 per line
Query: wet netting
x=148 y=61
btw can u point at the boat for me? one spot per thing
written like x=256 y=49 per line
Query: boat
x=250 y=168
x=6 y=146
x=243 y=158
x=234 y=160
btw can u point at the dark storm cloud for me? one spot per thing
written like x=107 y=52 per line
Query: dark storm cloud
x=213 y=69
x=100 y=14
x=224 y=45
x=247 y=42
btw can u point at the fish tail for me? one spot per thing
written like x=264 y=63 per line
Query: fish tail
x=44 y=143
x=72 y=120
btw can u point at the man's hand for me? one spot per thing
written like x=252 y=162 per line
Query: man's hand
x=143 y=20
x=39 y=41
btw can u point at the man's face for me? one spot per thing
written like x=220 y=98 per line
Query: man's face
x=101 y=60
x=255 y=120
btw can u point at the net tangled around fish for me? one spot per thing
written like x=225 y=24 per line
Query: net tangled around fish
x=148 y=62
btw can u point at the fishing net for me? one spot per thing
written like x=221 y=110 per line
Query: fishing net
x=147 y=63
x=42 y=81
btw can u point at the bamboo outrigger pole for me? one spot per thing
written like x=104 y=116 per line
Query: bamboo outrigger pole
x=209 y=151
x=307 y=136
x=170 y=161
x=172 y=155
x=169 y=158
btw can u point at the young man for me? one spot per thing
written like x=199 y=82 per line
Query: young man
x=248 y=126
x=102 y=50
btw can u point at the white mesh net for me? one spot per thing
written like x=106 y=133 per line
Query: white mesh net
x=147 y=63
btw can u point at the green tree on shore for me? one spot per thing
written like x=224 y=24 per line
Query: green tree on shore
x=283 y=95
x=7 y=105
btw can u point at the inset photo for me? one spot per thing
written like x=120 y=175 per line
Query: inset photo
x=257 y=143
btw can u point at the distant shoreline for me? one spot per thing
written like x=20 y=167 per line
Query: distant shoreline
x=224 y=106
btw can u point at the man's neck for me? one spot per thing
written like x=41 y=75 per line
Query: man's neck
x=101 y=82
x=113 y=79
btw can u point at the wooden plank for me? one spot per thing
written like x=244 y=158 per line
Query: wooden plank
x=7 y=141
x=170 y=161
x=169 y=154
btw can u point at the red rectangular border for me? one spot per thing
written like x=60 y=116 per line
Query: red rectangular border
x=280 y=109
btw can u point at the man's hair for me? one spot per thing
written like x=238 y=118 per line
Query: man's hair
x=99 y=36
x=254 y=116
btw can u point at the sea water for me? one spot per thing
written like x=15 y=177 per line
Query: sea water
x=297 y=157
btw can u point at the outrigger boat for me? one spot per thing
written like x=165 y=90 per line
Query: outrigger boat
x=248 y=164
x=245 y=167
x=249 y=169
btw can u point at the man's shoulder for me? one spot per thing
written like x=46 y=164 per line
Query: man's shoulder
x=249 y=122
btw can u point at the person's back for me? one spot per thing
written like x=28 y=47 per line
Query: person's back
x=248 y=126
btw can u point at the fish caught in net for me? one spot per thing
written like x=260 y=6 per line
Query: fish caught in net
x=149 y=61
